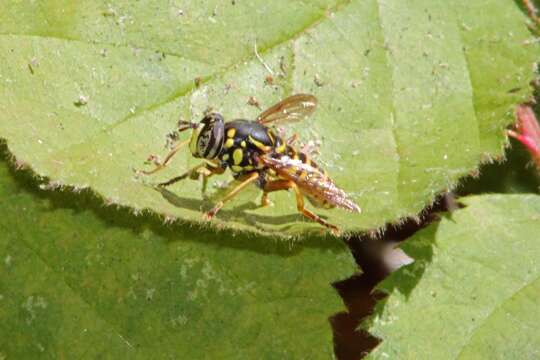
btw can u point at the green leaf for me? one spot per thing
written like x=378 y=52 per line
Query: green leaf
x=81 y=281
x=473 y=289
x=515 y=175
x=412 y=94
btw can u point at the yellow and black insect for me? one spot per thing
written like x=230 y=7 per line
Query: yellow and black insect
x=255 y=153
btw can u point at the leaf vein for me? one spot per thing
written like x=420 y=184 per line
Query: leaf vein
x=217 y=75
x=102 y=43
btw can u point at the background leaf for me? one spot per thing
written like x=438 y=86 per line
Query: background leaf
x=515 y=175
x=81 y=281
x=473 y=288
x=413 y=94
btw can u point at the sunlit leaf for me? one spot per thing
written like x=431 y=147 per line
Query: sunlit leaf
x=81 y=281
x=473 y=289
x=413 y=94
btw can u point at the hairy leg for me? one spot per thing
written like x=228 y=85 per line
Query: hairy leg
x=245 y=182
x=309 y=214
x=204 y=170
x=271 y=186
x=168 y=158
x=287 y=184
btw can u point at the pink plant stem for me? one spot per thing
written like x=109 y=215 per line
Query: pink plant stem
x=527 y=131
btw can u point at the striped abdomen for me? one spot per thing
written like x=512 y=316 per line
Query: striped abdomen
x=312 y=181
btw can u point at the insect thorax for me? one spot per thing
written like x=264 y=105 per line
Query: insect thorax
x=244 y=141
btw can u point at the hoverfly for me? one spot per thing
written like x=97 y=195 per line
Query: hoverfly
x=255 y=153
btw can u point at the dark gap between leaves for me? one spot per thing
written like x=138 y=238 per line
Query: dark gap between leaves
x=515 y=175
x=66 y=197
x=377 y=257
x=371 y=253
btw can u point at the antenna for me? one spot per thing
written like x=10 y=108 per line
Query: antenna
x=185 y=125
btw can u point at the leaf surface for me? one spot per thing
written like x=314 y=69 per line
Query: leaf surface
x=412 y=94
x=473 y=289
x=81 y=281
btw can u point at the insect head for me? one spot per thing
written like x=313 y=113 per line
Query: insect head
x=207 y=137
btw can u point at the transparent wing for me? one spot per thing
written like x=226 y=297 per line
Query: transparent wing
x=311 y=181
x=292 y=109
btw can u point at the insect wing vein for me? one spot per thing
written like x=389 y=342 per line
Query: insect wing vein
x=292 y=109
x=311 y=181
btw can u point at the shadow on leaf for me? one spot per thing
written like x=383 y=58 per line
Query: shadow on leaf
x=117 y=216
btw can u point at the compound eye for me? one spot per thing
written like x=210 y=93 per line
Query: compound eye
x=209 y=137
x=208 y=119
x=204 y=140
x=212 y=118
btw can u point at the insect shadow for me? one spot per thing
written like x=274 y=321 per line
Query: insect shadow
x=123 y=217
x=236 y=213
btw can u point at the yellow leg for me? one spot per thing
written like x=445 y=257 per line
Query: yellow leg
x=209 y=172
x=246 y=181
x=192 y=173
x=277 y=185
x=169 y=156
x=300 y=206
x=264 y=200
x=292 y=139
x=205 y=170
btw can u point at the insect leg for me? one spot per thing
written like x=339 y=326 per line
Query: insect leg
x=194 y=173
x=275 y=185
x=245 y=182
x=287 y=184
x=169 y=156
x=211 y=169
x=309 y=214
x=190 y=173
x=291 y=140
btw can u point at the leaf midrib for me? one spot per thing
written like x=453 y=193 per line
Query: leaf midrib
x=104 y=43
x=393 y=112
x=187 y=91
